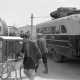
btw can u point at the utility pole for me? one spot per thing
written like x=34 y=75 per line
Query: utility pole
x=31 y=24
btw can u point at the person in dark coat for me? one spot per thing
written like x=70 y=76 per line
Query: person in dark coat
x=32 y=56
x=41 y=42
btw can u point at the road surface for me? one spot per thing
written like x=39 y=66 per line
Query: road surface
x=68 y=70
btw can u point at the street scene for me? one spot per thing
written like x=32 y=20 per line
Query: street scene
x=39 y=40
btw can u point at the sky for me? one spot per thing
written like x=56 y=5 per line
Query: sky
x=18 y=12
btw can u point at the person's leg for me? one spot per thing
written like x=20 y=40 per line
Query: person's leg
x=27 y=73
x=36 y=67
x=46 y=68
x=45 y=63
x=32 y=72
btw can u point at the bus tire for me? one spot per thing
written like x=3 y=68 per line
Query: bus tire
x=57 y=57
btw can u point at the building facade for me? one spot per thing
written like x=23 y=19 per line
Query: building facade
x=27 y=29
x=13 y=31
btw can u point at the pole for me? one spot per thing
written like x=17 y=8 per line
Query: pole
x=31 y=25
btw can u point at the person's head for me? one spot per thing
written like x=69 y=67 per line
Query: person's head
x=25 y=37
x=39 y=35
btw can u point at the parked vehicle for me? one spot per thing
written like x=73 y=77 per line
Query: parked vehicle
x=62 y=36
x=10 y=47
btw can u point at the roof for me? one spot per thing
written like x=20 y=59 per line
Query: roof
x=10 y=38
x=75 y=16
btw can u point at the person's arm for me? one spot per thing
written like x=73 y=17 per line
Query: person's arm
x=37 y=50
x=44 y=44
x=22 y=50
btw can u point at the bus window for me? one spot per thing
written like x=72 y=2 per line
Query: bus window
x=63 y=29
x=39 y=30
x=46 y=30
x=53 y=29
x=57 y=29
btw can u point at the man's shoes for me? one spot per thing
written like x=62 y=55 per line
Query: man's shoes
x=46 y=72
x=46 y=68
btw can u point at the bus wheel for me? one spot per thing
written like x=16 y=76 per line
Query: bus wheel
x=57 y=58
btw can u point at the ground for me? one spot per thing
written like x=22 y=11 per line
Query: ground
x=68 y=70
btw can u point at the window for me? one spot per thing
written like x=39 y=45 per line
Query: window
x=63 y=29
x=53 y=29
x=57 y=29
x=46 y=30
x=39 y=30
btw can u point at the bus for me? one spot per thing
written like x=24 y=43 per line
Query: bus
x=62 y=36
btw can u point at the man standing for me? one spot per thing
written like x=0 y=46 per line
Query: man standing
x=30 y=50
x=41 y=42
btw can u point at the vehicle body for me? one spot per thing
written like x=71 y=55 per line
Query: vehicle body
x=62 y=36
x=9 y=48
x=8 y=60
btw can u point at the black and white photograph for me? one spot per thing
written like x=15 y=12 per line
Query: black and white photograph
x=39 y=40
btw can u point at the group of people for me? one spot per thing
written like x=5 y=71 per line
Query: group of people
x=35 y=52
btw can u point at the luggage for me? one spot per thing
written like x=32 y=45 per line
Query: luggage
x=64 y=11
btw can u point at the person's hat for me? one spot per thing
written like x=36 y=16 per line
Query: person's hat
x=39 y=34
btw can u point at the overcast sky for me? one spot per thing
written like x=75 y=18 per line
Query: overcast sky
x=18 y=12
